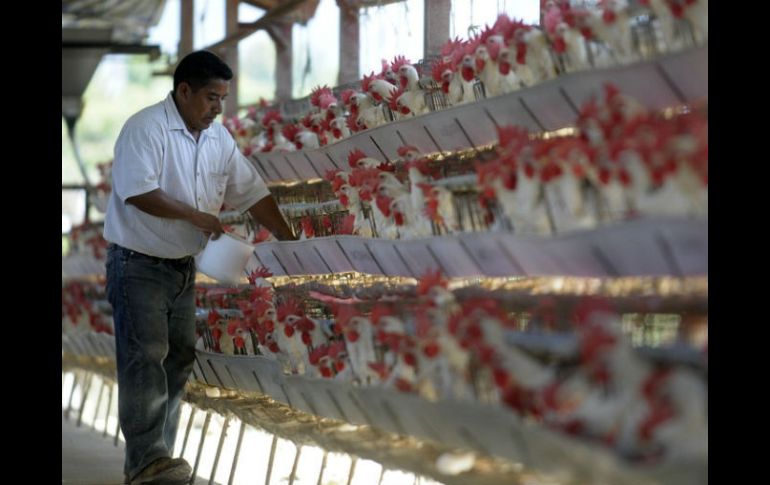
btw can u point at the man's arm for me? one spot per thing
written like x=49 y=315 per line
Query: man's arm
x=267 y=213
x=158 y=203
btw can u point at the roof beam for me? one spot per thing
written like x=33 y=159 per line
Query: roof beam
x=248 y=29
x=263 y=4
x=115 y=48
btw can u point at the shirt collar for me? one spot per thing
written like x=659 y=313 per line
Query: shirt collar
x=173 y=117
x=175 y=121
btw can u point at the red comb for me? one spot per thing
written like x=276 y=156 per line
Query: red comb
x=290 y=131
x=346 y=95
x=354 y=156
x=439 y=67
x=317 y=92
x=262 y=235
x=393 y=99
x=326 y=100
x=261 y=293
x=405 y=149
x=261 y=272
x=289 y=307
x=429 y=280
x=351 y=122
x=307 y=226
x=366 y=82
x=399 y=61
x=272 y=115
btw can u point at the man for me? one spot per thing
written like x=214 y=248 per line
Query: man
x=173 y=168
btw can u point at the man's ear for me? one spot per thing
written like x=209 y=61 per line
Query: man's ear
x=184 y=91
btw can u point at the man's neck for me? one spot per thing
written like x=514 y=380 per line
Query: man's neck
x=195 y=133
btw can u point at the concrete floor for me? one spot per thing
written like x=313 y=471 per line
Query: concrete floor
x=87 y=458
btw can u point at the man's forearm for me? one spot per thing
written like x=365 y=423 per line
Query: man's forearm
x=267 y=213
x=158 y=203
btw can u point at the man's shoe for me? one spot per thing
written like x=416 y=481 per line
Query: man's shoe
x=164 y=471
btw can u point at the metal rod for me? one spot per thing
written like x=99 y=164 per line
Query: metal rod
x=323 y=468
x=237 y=454
x=222 y=436
x=353 y=461
x=187 y=430
x=293 y=473
x=200 y=447
x=382 y=475
x=270 y=460
x=86 y=390
x=109 y=408
x=98 y=403
x=72 y=395
x=117 y=430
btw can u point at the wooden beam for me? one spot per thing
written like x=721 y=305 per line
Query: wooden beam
x=436 y=25
x=231 y=56
x=249 y=29
x=186 y=28
x=349 y=45
x=278 y=33
x=283 y=62
x=371 y=3
x=263 y=4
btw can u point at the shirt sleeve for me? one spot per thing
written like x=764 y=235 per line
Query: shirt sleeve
x=138 y=160
x=245 y=186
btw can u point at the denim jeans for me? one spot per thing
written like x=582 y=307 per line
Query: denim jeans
x=153 y=303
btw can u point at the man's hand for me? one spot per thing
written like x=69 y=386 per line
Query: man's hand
x=207 y=223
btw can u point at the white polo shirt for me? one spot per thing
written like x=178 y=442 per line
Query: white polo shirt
x=155 y=150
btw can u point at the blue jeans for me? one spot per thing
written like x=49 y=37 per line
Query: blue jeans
x=153 y=303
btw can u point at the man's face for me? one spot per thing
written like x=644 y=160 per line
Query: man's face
x=199 y=108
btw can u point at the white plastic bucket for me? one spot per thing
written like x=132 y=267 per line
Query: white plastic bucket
x=225 y=258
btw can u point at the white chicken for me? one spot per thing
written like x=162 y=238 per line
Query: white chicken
x=444 y=72
x=409 y=82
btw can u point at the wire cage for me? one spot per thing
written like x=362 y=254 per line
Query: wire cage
x=387 y=112
x=435 y=99
x=645 y=38
x=479 y=91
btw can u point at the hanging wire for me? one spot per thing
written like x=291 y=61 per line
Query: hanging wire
x=406 y=19
x=202 y=20
x=472 y=27
x=308 y=61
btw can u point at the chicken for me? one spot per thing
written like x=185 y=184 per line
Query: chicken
x=567 y=43
x=370 y=115
x=444 y=72
x=378 y=88
x=508 y=80
x=339 y=128
x=358 y=159
x=533 y=56
x=468 y=74
x=350 y=199
x=288 y=339
x=612 y=25
x=359 y=341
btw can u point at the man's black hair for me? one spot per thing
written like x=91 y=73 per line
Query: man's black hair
x=200 y=68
